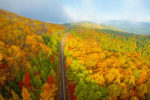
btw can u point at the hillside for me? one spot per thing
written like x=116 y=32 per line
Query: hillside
x=29 y=57
x=107 y=65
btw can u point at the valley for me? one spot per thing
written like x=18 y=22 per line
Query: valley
x=74 y=61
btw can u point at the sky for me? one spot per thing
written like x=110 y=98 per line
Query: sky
x=66 y=11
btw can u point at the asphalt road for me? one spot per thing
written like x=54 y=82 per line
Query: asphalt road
x=64 y=95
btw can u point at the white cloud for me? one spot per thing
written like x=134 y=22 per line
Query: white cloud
x=134 y=10
x=87 y=10
x=84 y=11
x=76 y=14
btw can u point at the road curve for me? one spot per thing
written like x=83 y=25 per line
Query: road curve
x=64 y=95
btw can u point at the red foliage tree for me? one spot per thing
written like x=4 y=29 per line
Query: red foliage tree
x=36 y=73
x=3 y=66
x=52 y=58
x=21 y=84
x=50 y=80
x=27 y=79
x=69 y=48
x=71 y=87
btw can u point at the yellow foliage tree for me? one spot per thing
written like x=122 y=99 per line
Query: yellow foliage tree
x=99 y=78
x=25 y=94
x=1 y=56
x=1 y=97
x=142 y=90
x=114 y=90
x=14 y=96
x=124 y=94
x=109 y=77
x=134 y=98
x=48 y=92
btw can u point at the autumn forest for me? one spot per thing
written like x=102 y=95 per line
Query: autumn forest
x=97 y=62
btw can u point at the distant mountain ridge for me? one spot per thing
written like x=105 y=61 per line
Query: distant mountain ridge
x=92 y=25
x=117 y=25
x=130 y=26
